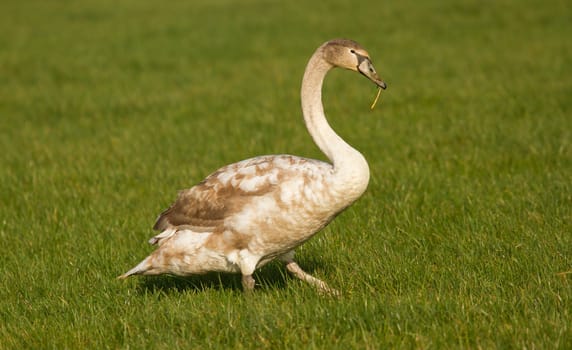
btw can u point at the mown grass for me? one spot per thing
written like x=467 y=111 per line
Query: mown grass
x=463 y=240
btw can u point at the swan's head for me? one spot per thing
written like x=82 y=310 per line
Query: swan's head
x=350 y=55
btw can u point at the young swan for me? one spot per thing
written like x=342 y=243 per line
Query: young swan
x=251 y=212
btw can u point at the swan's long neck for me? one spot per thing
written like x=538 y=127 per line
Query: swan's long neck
x=349 y=164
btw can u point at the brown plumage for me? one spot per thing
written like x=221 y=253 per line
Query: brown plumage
x=209 y=202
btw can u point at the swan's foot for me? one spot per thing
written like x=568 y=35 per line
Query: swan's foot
x=322 y=287
x=248 y=283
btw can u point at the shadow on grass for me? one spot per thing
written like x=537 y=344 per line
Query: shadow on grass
x=270 y=277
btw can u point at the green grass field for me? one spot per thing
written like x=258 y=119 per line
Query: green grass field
x=463 y=239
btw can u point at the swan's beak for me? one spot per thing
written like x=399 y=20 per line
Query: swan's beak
x=366 y=68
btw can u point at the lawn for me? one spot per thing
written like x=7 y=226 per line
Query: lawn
x=462 y=240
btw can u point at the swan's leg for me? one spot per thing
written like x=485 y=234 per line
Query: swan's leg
x=297 y=272
x=248 y=283
x=247 y=263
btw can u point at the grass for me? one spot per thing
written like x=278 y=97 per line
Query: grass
x=463 y=239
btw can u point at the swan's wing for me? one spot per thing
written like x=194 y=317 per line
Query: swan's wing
x=205 y=206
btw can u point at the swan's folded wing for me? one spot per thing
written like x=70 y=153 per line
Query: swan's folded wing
x=206 y=205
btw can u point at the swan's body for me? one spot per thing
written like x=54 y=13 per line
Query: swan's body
x=251 y=212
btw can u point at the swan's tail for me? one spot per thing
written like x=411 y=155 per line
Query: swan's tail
x=140 y=269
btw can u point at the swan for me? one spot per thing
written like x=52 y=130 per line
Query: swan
x=248 y=213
